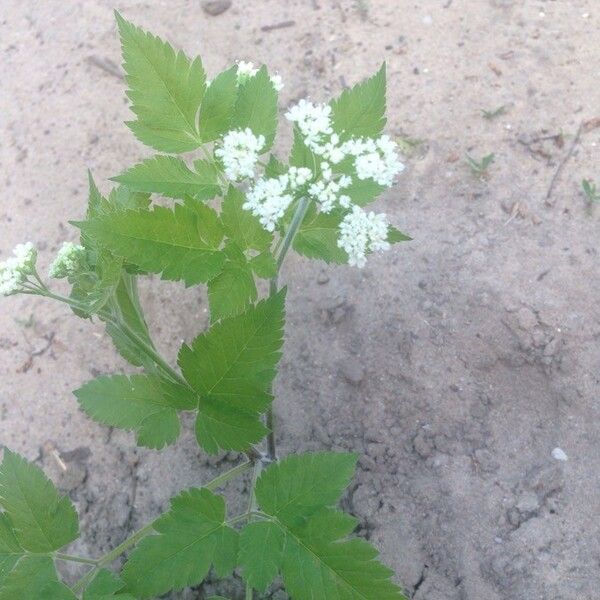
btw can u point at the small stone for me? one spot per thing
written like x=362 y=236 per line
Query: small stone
x=216 y=7
x=322 y=278
x=352 y=370
x=423 y=445
x=559 y=454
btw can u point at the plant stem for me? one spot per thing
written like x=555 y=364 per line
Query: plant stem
x=288 y=238
x=77 y=559
x=135 y=537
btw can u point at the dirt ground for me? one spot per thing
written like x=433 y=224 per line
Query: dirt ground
x=454 y=364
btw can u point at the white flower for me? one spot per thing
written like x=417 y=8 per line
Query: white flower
x=268 y=200
x=375 y=159
x=247 y=70
x=361 y=232
x=15 y=270
x=313 y=121
x=326 y=191
x=298 y=176
x=239 y=152
x=69 y=261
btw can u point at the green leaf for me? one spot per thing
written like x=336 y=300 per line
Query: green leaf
x=10 y=549
x=360 y=111
x=315 y=558
x=395 y=236
x=173 y=242
x=274 y=167
x=126 y=305
x=302 y=156
x=361 y=191
x=191 y=536
x=233 y=290
x=33 y=578
x=256 y=107
x=165 y=90
x=171 y=177
x=232 y=367
x=125 y=197
x=218 y=104
x=264 y=265
x=261 y=553
x=42 y=520
x=241 y=225
x=106 y=586
x=145 y=404
x=318 y=235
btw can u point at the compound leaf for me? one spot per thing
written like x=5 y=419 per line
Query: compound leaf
x=256 y=107
x=192 y=536
x=315 y=558
x=42 y=520
x=33 y=577
x=165 y=90
x=360 y=111
x=171 y=177
x=318 y=236
x=218 y=104
x=145 y=404
x=264 y=265
x=178 y=242
x=106 y=586
x=10 y=549
x=241 y=225
x=232 y=367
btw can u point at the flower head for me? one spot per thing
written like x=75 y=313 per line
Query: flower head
x=313 y=121
x=375 y=159
x=362 y=232
x=239 y=152
x=15 y=270
x=247 y=70
x=69 y=261
x=268 y=200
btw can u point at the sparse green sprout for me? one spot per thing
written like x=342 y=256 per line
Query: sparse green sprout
x=590 y=190
x=492 y=114
x=479 y=168
x=408 y=146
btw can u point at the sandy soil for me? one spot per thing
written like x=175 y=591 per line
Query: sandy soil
x=455 y=364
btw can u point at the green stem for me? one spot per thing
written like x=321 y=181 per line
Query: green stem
x=285 y=244
x=135 y=537
x=77 y=559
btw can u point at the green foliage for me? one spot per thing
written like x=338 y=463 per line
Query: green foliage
x=42 y=521
x=171 y=177
x=165 y=89
x=192 y=536
x=106 y=586
x=590 y=190
x=318 y=236
x=218 y=105
x=479 y=168
x=232 y=367
x=256 y=107
x=146 y=404
x=360 y=111
x=305 y=538
x=492 y=114
x=178 y=243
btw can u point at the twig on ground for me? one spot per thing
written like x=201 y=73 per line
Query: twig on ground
x=275 y=26
x=106 y=65
x=562 y=164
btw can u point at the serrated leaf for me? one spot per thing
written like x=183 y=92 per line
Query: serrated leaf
x=174 y=242
x=264 y=265
x=165 y=89
x=10 y=549
x=33 y=578
x=171 y=177
x=256 y=107
x=360 y=111
x=361 y=191
x=42 y=520
x=395 y=236
x=232 y=290
x=318 y=235
x=191 y=536
x=261 y=553
x=125 y=197
x=106 y=586
x=241 y=225
x=232 y=367
x=218 y=104
x=145 y=404
x=302 y=156
x=317 y=561
x=274 y=167
x=127 y=307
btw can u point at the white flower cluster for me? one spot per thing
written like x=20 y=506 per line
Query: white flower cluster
x=375 y=159
x=239 y=152
x=247 y=70
x=270 y=197
x=15 y=270
x=326 y=191
x=313 y=122
x=69 y=261
x=361 y=232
